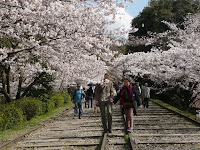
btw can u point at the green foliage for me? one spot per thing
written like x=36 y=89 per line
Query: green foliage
x=126 y=137
x=5 y=42
x=10 y=116
x=33 y=59
x=16 y=112
x=185 y=112
x=47 y=105
x=30 y=107
x=42 y=87
x=169 y=10
x=150 y=19
x=39 y=37
x=67 y=97
x=2 y=122
x=8 y=43
x=58 y=100
x=138 y=48
x=122 y=49
x=176 y=96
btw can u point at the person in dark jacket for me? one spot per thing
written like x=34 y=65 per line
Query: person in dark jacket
x=90 y=95
x=137 y=94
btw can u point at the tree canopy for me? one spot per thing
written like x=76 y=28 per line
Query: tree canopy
x=150 y=19
x=174 y=11
x=65 y=39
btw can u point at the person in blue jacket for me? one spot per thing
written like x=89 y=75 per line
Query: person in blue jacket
x=78 y=100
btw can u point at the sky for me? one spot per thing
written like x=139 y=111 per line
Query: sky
x=132 y=10
x=136 y=7
x=124 y=21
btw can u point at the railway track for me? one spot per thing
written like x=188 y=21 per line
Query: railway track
x=67 y=132
x=118 y=139
x=156 y=128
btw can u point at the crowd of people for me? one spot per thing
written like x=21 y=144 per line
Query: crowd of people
x=106 y=93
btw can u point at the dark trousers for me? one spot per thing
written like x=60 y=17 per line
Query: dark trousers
x=78 y=109
x=135 y=107
x=106 y=115
x=89 y=102
x=146 y=102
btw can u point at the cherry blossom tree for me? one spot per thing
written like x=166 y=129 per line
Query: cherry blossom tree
x=177 y=66
x=65 y=38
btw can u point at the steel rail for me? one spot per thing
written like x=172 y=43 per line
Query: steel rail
x=167 y=137
x=130 y=141
x=180 y=114
x=21 y=137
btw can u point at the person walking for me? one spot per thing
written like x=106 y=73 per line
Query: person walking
x=145 y=95
x=126 y=97
x=78 y=100
x=137 y=97
x=104 y=93
x=90 y=95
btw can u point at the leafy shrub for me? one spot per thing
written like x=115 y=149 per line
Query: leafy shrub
x=67 y=97
x=30 y=107
x=47 y=105
x=2 y=121
x=18 y=111
x=10 y=116
x=58 y=100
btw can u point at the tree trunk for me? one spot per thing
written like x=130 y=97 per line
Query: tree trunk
x=8 y=80
x=61 y=84
x=8 y=98
x=19 y=86
x=4 y=81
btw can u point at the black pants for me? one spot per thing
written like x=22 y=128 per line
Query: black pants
x=146 y=102
x=89 y=103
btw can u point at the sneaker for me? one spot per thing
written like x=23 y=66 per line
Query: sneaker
x=129 y=130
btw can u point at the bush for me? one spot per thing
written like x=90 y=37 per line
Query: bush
x=18 y=111
x=10 y=116
x=2 y=121
x=48 y=105
x=67 y=97
x=30 y=107
x=58 y=100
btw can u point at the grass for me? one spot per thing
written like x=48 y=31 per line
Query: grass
x=30 y=125
x=188 y=114
x=126 y=137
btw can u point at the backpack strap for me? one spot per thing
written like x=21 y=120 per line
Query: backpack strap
x=74 y=94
